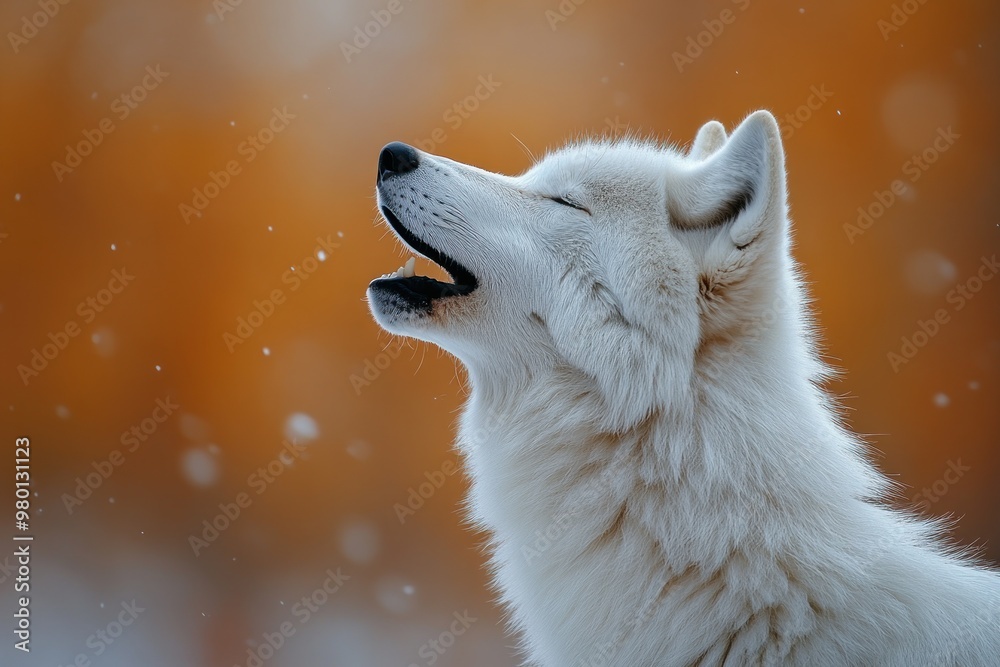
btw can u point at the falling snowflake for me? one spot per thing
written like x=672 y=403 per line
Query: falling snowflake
x=199 y=467
x=359 y=541
x=392 y=594
x=300 y=427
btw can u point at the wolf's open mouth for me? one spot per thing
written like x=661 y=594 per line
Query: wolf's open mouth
x=420 y=291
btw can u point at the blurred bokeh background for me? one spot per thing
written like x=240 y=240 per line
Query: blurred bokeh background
x=241 y=161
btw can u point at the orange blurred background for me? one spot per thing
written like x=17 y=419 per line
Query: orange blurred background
x=274 y=113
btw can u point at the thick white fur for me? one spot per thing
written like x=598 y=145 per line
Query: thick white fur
x=663 y=480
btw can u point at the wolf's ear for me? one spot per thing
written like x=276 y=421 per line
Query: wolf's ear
x=733 y=203
x=709 y=139
x=742 y=183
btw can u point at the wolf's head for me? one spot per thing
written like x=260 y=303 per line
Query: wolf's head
x=626 y=261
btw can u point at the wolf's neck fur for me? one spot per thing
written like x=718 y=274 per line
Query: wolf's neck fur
x=735 y=525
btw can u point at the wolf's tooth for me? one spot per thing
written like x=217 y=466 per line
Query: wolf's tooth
x=408 y=267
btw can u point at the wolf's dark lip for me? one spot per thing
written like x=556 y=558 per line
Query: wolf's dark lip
x=420 y=291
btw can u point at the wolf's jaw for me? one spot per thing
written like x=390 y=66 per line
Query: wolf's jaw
x=461 y=275
x=405 y=271
x=419 y=291
x=414 y=292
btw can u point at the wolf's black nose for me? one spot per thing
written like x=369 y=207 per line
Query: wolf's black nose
x=396 y=158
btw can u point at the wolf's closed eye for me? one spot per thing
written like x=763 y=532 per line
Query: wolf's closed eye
x=571 y=204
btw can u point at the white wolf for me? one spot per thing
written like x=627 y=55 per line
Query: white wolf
x=663 y=479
